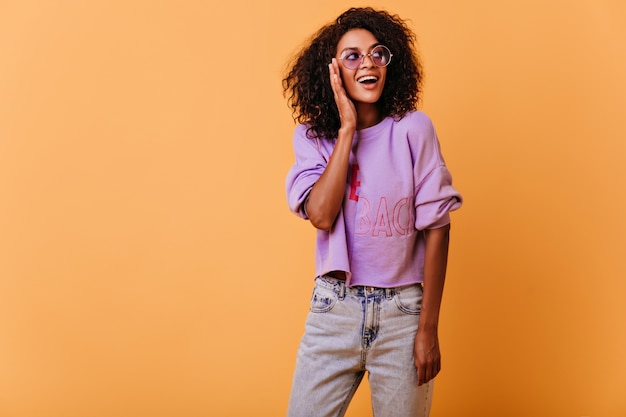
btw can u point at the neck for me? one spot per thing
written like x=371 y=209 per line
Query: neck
x=367 y=115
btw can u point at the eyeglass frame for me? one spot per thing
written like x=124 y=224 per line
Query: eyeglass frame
x=362 y=57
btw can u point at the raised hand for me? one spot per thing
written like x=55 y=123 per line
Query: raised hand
x=347 y=111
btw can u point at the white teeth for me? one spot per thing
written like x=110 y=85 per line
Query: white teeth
x=367 y=78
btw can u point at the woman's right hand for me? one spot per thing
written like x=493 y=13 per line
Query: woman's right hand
x=327 y=194
x=347 y=111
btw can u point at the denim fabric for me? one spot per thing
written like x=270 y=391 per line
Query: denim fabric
x=353 y=330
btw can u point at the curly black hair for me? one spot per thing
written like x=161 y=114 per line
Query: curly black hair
x=307 y=85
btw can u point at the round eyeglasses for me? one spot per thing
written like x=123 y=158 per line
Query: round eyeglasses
x=352 y=58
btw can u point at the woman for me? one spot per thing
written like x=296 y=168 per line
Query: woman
x=369 y=175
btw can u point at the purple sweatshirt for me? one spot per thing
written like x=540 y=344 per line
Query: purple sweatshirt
x=397 y=186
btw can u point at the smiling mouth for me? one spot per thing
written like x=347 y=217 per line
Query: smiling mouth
x=367 y=79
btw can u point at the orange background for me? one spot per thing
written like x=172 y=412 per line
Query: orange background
x=149 y=265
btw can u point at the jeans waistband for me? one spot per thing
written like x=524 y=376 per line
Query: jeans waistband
x=340 y=288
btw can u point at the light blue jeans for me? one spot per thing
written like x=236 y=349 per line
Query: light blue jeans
x=353 y=330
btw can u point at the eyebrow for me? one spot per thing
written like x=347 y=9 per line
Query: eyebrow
x=354 y=47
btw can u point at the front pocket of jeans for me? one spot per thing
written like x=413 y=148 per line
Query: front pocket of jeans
x=322 y=300
x=409 y=300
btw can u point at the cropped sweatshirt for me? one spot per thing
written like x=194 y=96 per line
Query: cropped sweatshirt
x=397 y=186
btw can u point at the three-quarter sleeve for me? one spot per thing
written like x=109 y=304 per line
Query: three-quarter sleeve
x=435 y=197
x=308 y=167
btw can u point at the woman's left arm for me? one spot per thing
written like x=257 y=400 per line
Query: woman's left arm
x=427 y=354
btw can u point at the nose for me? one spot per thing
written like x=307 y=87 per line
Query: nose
x=371 y=61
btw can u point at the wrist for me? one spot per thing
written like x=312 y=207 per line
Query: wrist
x=346 y=131
x=427 y=326
x=425 y=332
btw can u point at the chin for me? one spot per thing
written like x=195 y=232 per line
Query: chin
x=367 y=100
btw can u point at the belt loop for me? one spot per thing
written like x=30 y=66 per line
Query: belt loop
x=342 y=290
x=389 y=293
